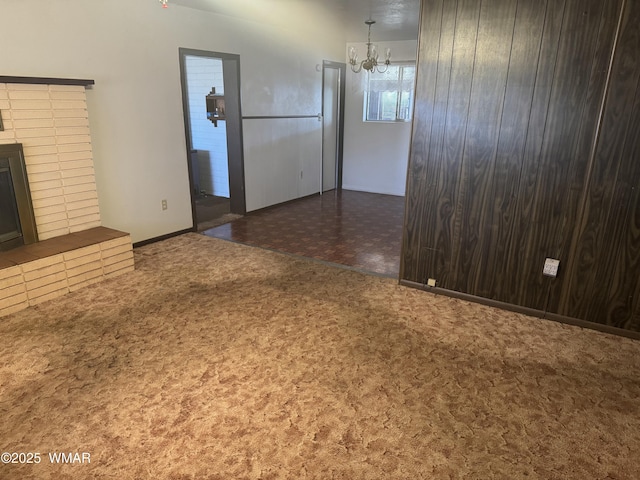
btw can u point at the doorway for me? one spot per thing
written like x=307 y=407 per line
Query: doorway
x=333 y=91
x=214 y=148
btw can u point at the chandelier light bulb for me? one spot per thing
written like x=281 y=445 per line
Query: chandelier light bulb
x=353 y=55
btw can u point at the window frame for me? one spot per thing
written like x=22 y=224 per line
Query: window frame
x=399 y=91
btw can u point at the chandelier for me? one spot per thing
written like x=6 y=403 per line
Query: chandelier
x=371 y=62
x=164 y=3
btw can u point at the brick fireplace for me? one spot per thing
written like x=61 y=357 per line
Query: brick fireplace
x=49 y=118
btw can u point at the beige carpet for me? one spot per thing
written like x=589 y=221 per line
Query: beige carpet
x=219 y=361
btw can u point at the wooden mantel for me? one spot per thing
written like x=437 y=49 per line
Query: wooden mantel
x=46 y=81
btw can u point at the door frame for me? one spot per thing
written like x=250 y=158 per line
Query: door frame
x=233 y=109
x=342 y=75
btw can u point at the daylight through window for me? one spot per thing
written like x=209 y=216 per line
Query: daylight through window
x=389 y=95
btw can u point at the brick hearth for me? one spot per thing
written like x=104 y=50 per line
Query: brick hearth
x=49 y=118
x=45 y=270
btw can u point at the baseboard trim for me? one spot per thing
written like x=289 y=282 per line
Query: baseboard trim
x=163 y=237
x=524 y=310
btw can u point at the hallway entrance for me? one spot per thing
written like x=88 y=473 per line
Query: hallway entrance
x=213 y=129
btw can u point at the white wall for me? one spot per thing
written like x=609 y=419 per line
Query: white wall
x=375 y=153
x=210 y=141
x=130 y=48
x=285 y=158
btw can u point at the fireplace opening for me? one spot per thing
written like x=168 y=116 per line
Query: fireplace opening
x=17 y=221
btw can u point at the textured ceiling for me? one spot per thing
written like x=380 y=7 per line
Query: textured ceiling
x=395 y=19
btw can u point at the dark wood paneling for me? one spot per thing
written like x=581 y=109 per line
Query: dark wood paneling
x=563 y=157
x=418 y=199
x=484 y=120
x=621 y=306
x=518 y=157
x=524 y=74
x=436 y=251
x=516 y=263
x=591 y=115
x=445 y=166
x=602 y=247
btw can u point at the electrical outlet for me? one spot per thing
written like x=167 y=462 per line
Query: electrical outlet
x=431 y=282
x=551 y=267
x=164 y=205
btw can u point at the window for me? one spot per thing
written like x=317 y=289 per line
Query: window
x=389 y=95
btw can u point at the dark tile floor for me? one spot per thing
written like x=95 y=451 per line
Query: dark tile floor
x=357 y=229
x=210 y=208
